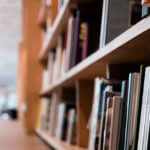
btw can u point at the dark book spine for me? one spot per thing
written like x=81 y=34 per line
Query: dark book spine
x=81 y=39
x=122 y=119
x=128 y=112
x=84 y=55
x=76 y=39
x=139 y=105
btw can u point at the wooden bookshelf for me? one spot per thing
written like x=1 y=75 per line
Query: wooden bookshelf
x=55 y=143
x=131 y=47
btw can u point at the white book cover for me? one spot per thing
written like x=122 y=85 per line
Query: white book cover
x=71 y=119
x=60 y=120
x=147 y=115
x=70 y=42
x=143 y=109
x=94 y=115
x=45 y=79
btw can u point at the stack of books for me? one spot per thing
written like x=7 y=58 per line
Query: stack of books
x=58 y=118
x=120 y=113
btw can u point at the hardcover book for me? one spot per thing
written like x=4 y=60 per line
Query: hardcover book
x=139 y=104
x=122 y=117
x=107 y=94
x=144 y=109
x=131 y=105
x=71 y=130
x=114 y=122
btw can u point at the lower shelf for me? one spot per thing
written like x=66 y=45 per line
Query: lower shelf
x=55 y=143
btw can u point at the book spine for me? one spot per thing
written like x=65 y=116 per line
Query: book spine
x=143 y=109
x=76 y=39
x=85 y=41
x=128 y=115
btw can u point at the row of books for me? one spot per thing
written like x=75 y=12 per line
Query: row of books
x=119 y=117
x=85 y=34
x=55 y=66
x=120 y=113
x=82 y=35
x=58 y=118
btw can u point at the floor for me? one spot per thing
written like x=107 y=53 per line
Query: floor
x=13 y=137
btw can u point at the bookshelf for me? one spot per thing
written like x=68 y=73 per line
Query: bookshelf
x=120 y=51
x=115 y=60
x=55 y=143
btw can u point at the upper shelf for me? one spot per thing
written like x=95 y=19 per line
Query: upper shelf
x=55 y=143
x=131 y=47
x=57 y=28
x=55 y=31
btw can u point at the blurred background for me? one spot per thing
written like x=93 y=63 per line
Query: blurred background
x=10 y=36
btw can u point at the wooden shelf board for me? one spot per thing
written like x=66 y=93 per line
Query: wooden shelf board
x=131 y=47
x=55 y=143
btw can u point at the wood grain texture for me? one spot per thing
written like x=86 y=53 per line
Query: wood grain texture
x=31 y=75
x=84 y=95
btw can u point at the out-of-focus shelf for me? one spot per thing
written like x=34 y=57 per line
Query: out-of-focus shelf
x=55 y=31
x=57 y=28
x=131 y=47
x=55 y=143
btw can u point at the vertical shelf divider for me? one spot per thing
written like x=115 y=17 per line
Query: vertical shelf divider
x=84 y=97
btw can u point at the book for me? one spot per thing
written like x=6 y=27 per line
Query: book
x=134 y=108
x=114 y=122
x=94 y=115
x=145 y=11
x=45 y=82
x=130 y=116
x=59 y=55
x=70 y=42
x=147 y=118
x=63 y=66
x=50 y=66
x=100 y=85
x=139 y=104
x=85 y=49
x=117 y=17
x=44 y=123
x=87 y=26
x=108 y=124
x=143 y=109
x=71 y=130
x=122 y=117
x=53 y=113
x=107 y=94
x=76 y=51
x=60 y=119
